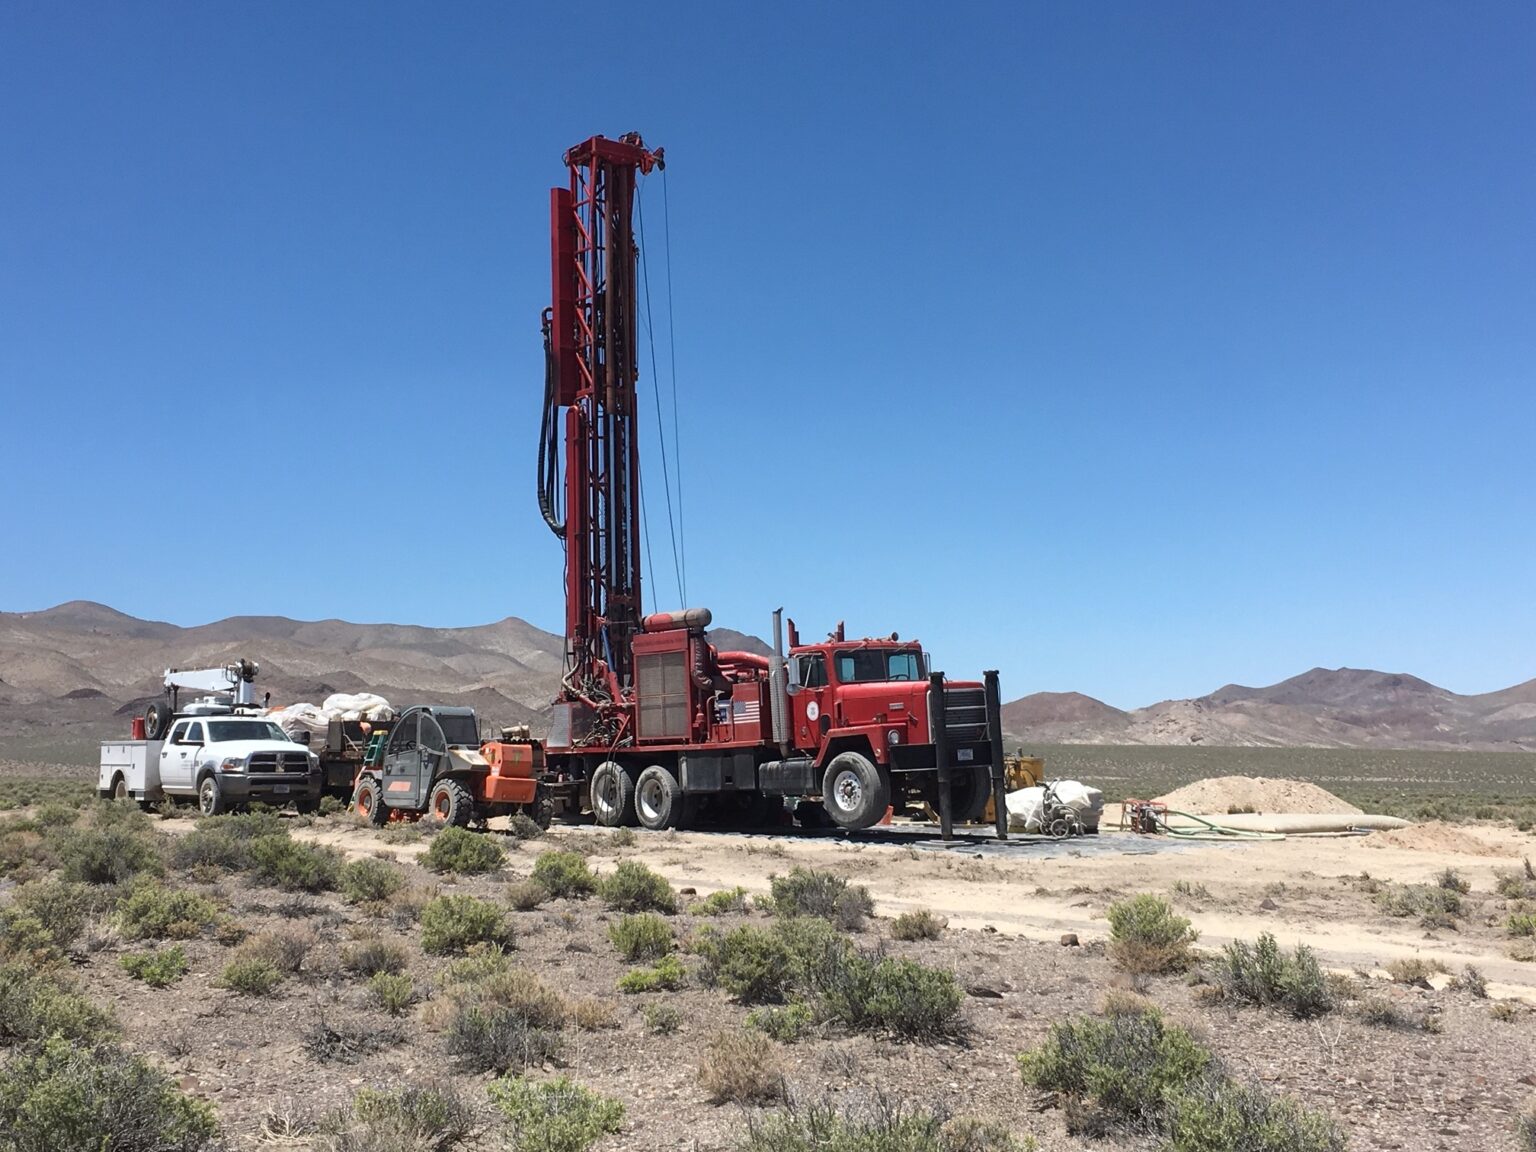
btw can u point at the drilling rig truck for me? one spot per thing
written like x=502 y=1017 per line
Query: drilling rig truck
x=653 y=725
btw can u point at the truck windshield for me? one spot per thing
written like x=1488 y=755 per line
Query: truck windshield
x=867 y=665
x=222 y=730
x=460 y=730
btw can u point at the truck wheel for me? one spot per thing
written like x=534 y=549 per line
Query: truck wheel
x=157 y=718
x=613 y=795
x=658 y=799
x=369 y=802
x=854 y=792
x=451 y=803
x=210 y=797
x=119 y=788
x=542 y=810
x=969 y=790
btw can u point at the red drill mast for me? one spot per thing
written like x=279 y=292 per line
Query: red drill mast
x=591 y=344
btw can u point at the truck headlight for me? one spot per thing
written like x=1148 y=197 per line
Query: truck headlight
x=893 y=735
x=233 y=764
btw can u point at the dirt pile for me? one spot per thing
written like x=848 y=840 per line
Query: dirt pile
x=1221 y=795
x=1438 y=836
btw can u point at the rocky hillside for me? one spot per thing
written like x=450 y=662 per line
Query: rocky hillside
x=1341 y=707
x=72 y=674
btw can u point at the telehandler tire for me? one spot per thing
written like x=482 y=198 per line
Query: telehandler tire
x=451 y=803
x=854 y=791
x=658 y=799
x=369 y=802
x=613 y=795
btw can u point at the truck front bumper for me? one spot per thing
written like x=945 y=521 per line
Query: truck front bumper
x=270 y=787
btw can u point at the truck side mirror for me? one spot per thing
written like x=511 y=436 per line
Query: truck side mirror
x=302 y=737
x=793 y=689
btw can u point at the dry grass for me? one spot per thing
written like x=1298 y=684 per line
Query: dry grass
x=742 y=1066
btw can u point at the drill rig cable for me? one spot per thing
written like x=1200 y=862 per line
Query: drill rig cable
x=650 y=332
x=549 y=444
x=677 y=440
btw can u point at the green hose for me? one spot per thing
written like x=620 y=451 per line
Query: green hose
x=1213 y=831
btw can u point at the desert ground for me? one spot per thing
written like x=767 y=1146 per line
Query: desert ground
x=1415 y=1055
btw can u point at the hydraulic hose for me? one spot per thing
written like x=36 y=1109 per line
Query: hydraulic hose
x=1211 y=830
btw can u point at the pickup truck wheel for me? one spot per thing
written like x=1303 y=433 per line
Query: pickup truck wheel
x=854 y=791
x=210 y=797
x=613 y=795
x=369 y=802
x=119 y=788
x=451 y=803
x=157 y=718
x=658 y=799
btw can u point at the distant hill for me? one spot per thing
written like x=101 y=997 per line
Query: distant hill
x=1339 y=707
x=73 y=674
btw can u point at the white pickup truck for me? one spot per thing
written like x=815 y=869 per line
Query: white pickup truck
x=222 y=761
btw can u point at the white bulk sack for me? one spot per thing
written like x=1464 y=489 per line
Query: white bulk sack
x=1025 y=805
x=296 y=718
x=358 y=706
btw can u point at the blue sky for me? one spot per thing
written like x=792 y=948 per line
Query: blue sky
x=1129 y=348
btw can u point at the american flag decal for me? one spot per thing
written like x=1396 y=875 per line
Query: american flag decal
x=744 y=711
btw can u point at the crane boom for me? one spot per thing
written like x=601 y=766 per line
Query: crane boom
x=591 y=349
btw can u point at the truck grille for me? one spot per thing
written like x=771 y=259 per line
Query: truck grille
x=279 y=762
x=965 y=714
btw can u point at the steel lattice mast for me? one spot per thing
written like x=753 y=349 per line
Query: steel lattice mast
x=591 y=339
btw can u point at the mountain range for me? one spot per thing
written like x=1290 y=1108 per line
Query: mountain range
x=72 y=674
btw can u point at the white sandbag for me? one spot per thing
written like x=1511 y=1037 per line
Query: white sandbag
x=358 y=706
x=296 y=718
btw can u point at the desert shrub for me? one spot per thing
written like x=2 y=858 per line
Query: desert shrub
x=392 y=991
x=632 y=887
x=36 y=1004
x=1521 y=924
x=1127 y=1065
x=1453 y=881
x=1435 y=906
x=487 y=1038
x=1413 y=969
x=459 y=850
x=741 y=1066
x=53 y=815
x=753 y=964
x=554 y=1115
x=284 y=948
x=1262 y=974
x=1512 y=886
x=1503 y=1011
x=413 y=1119
x=250 y=976
x=524 y=827
x=47 y=913
x=816 y=948
x=295 y=867
x=722 y=902
x=348 y=1041
x=158 y=967
x=1474 y=982
x=479 y=963
x=881 y=1125
x=255 y=823
x=918 y=925
x=113 y=854
x=883 y=994
x=1384 y=1012
x=661 y=1019
x=450 y=924
x=212 y=847
x=1525 y=1128
x=373 y=954
x=786 y=1024
x=564 y=874
x=810 y=892
x=642 y=937
x=24 y=854
x=592 y=1015
x=369 y=881
x=23 y=937
x=526 y=895
x=666 y=975
x=522 y=993
x=152 y=912
x=64 y=1097
x=1215 y=1115
x=1147 y=937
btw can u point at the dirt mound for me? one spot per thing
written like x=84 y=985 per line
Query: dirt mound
x=1438 y=836
x=1223 y=794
